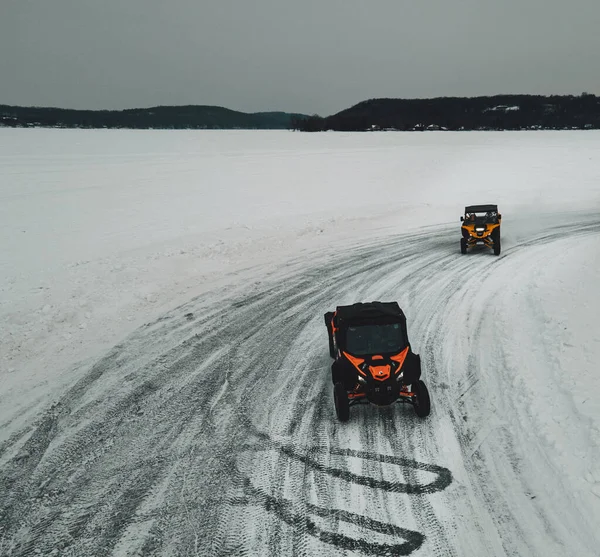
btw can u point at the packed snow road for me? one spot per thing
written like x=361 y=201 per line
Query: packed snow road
x=211 y=431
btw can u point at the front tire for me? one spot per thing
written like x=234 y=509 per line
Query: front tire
x=463 y=245
x=422 y=403
x=342 y=405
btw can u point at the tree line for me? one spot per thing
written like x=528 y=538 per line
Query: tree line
x=501 y=112
x=161 y=117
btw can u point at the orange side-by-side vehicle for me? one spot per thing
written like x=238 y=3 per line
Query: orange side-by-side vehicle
x=481 y=225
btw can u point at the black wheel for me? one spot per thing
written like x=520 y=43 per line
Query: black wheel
x=342 y=406
x=496 y=238
x=422 y=404
x=463 y=245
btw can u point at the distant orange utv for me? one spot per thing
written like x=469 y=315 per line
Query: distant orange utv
x=481 y=225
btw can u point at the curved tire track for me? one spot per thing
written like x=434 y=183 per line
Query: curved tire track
x=144 y=452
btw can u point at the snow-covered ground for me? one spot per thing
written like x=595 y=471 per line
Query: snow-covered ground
x=136 y=266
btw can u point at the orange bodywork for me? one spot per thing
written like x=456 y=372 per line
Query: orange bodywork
x=400 y=358
x=356 y=363
x=470 y=228
x=381 y=373
x=356 y=395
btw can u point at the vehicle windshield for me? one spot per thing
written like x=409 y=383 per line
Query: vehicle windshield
x=481 y=218
x=374 y=339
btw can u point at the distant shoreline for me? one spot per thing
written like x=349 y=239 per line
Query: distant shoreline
x=491 y=113
x=160 y=117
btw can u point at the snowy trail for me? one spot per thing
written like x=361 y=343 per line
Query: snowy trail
x=211 y=431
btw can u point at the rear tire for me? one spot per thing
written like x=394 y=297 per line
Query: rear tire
x=496 y=239
x=342 y=405
x=422 y=404
x=463 y=245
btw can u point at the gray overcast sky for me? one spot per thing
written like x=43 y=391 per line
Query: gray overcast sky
x=311 y=56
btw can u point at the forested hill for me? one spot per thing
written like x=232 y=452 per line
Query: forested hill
x=162 y=117
x=502 y=112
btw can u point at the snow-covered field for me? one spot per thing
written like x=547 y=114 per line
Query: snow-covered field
x=164 y=365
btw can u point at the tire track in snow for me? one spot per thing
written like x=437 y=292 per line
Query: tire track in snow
x=353 y=478
x=477 y=395
x=154 y=433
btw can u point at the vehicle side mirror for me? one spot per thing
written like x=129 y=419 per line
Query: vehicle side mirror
x=462 y=219
x=499 y=217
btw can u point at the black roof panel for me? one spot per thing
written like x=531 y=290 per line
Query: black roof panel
x=369 y=310
x=481 y=208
